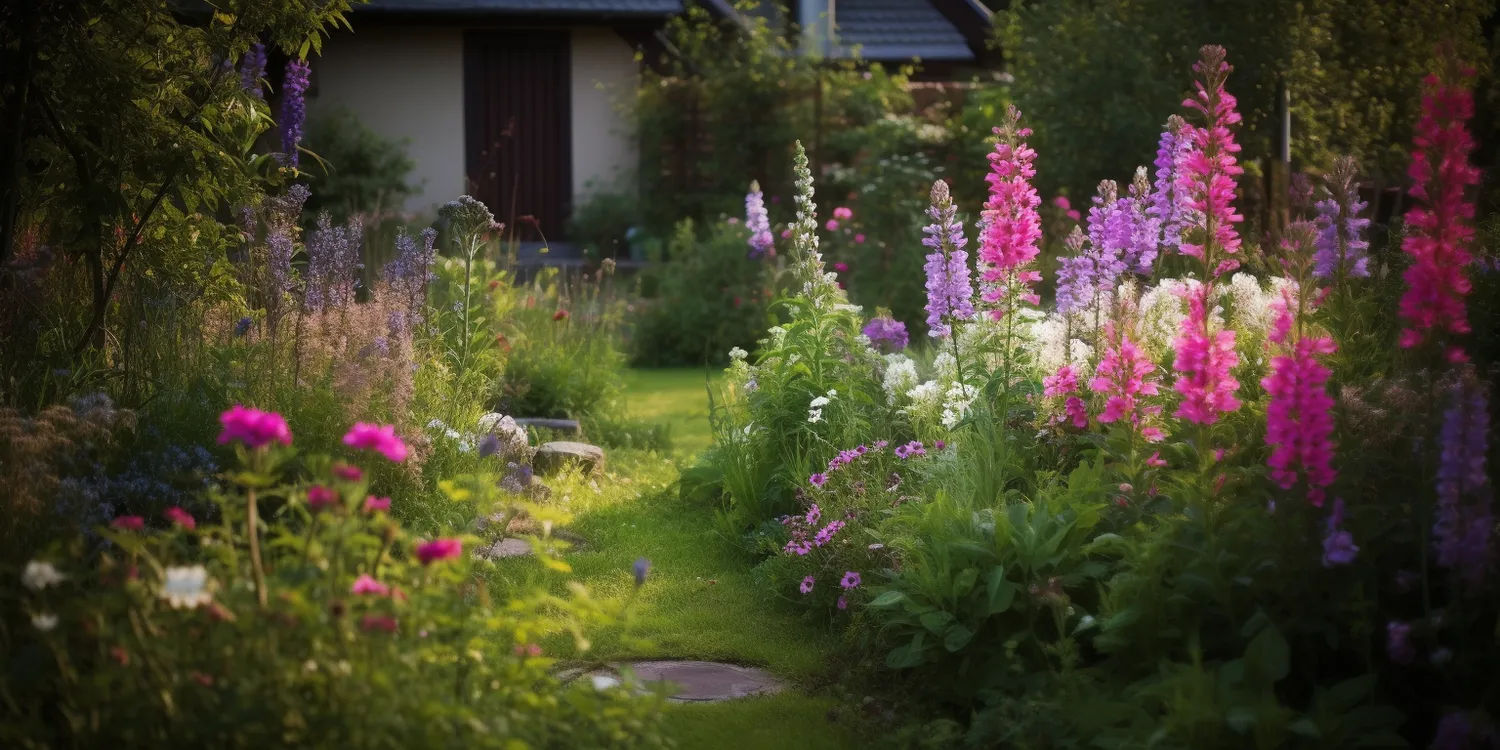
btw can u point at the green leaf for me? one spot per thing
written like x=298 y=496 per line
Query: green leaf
x=958 y=636
x=888 y=599
x=964 y=582
x=1240 y=718
x=1268 y=656
x=936 y=621
x=1002 y=593
x=1305 y=727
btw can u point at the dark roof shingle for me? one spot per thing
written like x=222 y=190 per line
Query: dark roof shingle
x=559 y=7
x=891 y=30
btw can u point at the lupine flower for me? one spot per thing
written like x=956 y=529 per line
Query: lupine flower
x=1299 y=418
x=293 y=109
x=185 y=587
x=1204 y=361
x=758 y=221
x=850 y=580
x=950 y=294
x=640 y=569
x=253 y=427
x=1170 y=206
x=439 y=549
x=367 y=585
x=321 y=498
x=1012 y=226
x=1123 y=374
x=128 y=523
x=1398 y=642
x=40 y=575
x=807 y=585
x=374 y=504
x=887 y=334
x=253 y=68
x=1440 y=222
x=1462 y=529
x=379 y=438
x=180 y=517
x=1341 y=243
x=1207 y=171
x=382 y=623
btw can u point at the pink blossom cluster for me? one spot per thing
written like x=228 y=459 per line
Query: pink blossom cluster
x=1124 y=373
x=1012 y=226
x=1207 y=171
x=914 y=448
x=253 y=427
x=800 y=526
x=1299 y=417
x=1440 y=222
x=1064 y=385
x=1204 y=361
x=379 y=438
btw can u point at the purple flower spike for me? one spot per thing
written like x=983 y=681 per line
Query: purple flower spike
x=950 y=293
x=293 y=109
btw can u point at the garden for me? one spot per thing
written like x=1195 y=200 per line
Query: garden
x=1134 y=395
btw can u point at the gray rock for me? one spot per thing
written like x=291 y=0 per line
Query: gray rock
x=565 y=426
x=553 y=457
x=504 y=548
x=692 y=681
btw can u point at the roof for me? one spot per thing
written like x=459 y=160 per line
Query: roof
x=550 y=7
x=888 y=30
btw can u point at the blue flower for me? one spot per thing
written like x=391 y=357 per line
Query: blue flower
x=642 y=567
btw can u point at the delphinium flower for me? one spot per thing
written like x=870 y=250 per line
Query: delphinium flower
x=1077 y=276
x=818 y=284
x=1123 y=375
x=293 y=109
x=950 y=293
x=407 y=276
x=1440 y=222
x=1338 y=545
x=1012 y=231
x=758 y=221
x=332 y=261
x=1139 y=249
x=1299 y=418
x=1341 y=243
x=887 y=334
x=1168 y=204
x=1205 y=356
x=1464 y=518
x=253 y=68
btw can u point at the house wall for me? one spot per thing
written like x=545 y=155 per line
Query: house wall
x=604 y=72
x=403 y=82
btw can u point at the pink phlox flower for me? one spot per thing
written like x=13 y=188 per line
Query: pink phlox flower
x=439 y=549
x=1077 y=411
x=818 y=480
x=253 y=427
x=367 y=585
x=1299 y=417
x=180 y=517
x=379 y=438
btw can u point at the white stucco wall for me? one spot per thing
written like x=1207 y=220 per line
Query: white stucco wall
x=604 y=73
x=403 y=83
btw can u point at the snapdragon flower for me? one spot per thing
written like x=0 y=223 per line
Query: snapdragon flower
x=1012 y=227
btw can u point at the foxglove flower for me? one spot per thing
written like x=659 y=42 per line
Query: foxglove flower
x=293 y=109
x=1441 y=221
x=1124 y=374
x=950 y=294
x=1299 y=417
x=1341 y=243
x=1012 y=227
x=758 y=221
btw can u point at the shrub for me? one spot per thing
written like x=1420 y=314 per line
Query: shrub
x=562 y=359
x=329 y=623
x=358 y=171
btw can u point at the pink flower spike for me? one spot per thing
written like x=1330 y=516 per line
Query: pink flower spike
x=1012 y=231
x=439 y=549
x=320 y=498
x=253 y=427
x=180 y=517
x=379 y=438
x=367 y=585
x=128 y=523
x=377 y=504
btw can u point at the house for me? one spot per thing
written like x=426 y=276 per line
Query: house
x=515 y=101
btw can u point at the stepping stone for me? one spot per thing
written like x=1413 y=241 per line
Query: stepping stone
x=505 y=548
x=706 y=681
x=565 y=426
x=553 y=457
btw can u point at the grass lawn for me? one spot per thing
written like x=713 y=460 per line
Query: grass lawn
x=700 y=600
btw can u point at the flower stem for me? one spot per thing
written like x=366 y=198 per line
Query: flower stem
x=255 y=566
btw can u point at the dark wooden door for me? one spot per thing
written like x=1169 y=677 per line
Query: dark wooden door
x=517 y=133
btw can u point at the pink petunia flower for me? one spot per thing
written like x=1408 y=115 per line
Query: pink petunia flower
x=439 y=549
x=367 y=585
x=807 y=585
x=379 y=438
x=253 y=427
x=180 y=517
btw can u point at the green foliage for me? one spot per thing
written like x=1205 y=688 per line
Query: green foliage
x=358 y=171
x=602 y=222
x=562 y=359
x=707 y=296
x=322 y=625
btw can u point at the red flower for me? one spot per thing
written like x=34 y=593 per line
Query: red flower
x=321 y=498
x=439 y=549
x=120 y=655
x=180 y=517
x=560 y=315
x=382 y=623
x=128 y=523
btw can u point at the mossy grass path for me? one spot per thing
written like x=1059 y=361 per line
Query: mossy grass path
x=700 y=601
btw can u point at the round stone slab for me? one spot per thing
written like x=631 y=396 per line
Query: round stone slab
x=706 y=681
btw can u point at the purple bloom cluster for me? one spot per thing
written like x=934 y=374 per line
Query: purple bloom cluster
x=1338 y=545
x=1170 y=206
x=1075 y=275
x=253 y=68
x=1462 y=531
x=950 y=293
x=1109 y=232
x=293 y=109
x=1341 y=243
x=800 y=526
x=333 y=257
x=281 y=225
x=408 y=274
x=886 y=333
x=758 y=221
x=914 y=448
x=1398 y=644
x=1122 y=238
